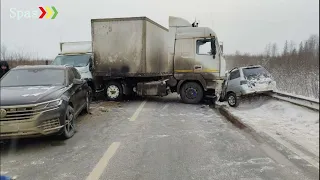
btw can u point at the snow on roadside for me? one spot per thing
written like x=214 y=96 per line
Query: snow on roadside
x=278 y=118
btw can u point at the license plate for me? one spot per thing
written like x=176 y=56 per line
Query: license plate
x=6 y=128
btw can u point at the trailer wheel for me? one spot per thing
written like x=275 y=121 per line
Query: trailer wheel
x=233 y=100
x=191 y=93
x=114 y=91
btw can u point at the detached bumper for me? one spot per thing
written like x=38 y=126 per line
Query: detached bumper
x=41 y=123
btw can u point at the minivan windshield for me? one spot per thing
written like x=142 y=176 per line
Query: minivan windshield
x=33 y=77
x=72 y=60
x=255 y=72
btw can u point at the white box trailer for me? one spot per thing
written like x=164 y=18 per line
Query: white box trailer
x=75 y=47
x=134 y=47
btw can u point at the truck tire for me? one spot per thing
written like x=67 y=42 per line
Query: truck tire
x=114 y=91
x=191 y=93
x=232 y=99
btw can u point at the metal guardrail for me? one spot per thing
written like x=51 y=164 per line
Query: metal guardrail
x=300 y=101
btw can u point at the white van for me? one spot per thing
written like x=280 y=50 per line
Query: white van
x=78 y=55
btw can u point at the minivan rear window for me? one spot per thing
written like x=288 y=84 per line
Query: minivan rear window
x=253 y=72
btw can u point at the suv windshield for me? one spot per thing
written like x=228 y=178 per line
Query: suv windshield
x=72 y=60
x=254 y=72
x=34 y=77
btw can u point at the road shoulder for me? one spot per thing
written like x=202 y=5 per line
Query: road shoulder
x=302 y=159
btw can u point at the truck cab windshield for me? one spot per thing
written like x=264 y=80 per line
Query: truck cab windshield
x=72 y=60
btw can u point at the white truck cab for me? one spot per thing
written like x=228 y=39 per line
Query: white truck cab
x=196 y=50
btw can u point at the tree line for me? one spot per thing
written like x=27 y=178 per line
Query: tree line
x=16 y=58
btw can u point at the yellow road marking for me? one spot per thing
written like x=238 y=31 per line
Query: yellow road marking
x=136 y=114
x=102 y=164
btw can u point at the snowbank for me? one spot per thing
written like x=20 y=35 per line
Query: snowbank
x=291 y=123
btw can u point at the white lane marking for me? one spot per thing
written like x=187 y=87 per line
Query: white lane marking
x=102 y=164
x=165 y=107
x=136 y=114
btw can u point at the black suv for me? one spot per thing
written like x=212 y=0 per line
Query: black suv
x=42 y=100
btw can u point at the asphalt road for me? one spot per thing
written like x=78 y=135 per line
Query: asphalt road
x=153 y=139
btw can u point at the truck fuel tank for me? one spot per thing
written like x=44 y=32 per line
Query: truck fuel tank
x=153 y=88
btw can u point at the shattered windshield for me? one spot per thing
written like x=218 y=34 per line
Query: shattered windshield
x=72 y=60
x=256 y=72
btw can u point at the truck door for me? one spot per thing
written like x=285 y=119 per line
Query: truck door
x=207 y=58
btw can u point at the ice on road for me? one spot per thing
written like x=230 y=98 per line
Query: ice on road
x=167 y=140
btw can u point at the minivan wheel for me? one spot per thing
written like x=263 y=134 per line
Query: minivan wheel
x=114 y=91
x=69 y=128
x=233 y=100
x=191 y=93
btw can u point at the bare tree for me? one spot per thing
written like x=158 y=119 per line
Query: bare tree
x=274 y=50
x=267 y=50
x=3 y=52
x=285 y=49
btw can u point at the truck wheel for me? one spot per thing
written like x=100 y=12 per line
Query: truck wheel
x=191 y=93
x=114 y=91
x=233 y=100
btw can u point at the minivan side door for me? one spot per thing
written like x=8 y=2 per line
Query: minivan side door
x=234 y=82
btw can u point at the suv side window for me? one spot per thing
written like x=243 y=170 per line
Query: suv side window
x=234 y=74
x=70 y=76
x=76 y=73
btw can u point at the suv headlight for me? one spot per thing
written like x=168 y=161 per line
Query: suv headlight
x=51 y=104
x=55 y=103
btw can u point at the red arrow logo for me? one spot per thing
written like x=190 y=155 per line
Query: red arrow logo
x=43 y=12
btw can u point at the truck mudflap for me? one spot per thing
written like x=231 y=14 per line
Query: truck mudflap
x=218 y=89
x=217 y=85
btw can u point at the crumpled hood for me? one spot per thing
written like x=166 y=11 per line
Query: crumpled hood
x=84 y=72
x=29 y=94
x=82 y=69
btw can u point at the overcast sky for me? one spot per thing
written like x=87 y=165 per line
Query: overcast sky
x=244 y=25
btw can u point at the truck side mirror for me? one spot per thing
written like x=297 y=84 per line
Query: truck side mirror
x=90 y=65
x=213 y=48
x=221 y=47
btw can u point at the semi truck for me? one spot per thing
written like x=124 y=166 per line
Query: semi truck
x=137 y=56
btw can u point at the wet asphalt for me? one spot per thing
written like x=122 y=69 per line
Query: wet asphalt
x=162 y=140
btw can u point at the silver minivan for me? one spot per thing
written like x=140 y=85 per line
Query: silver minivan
x=247 y=80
